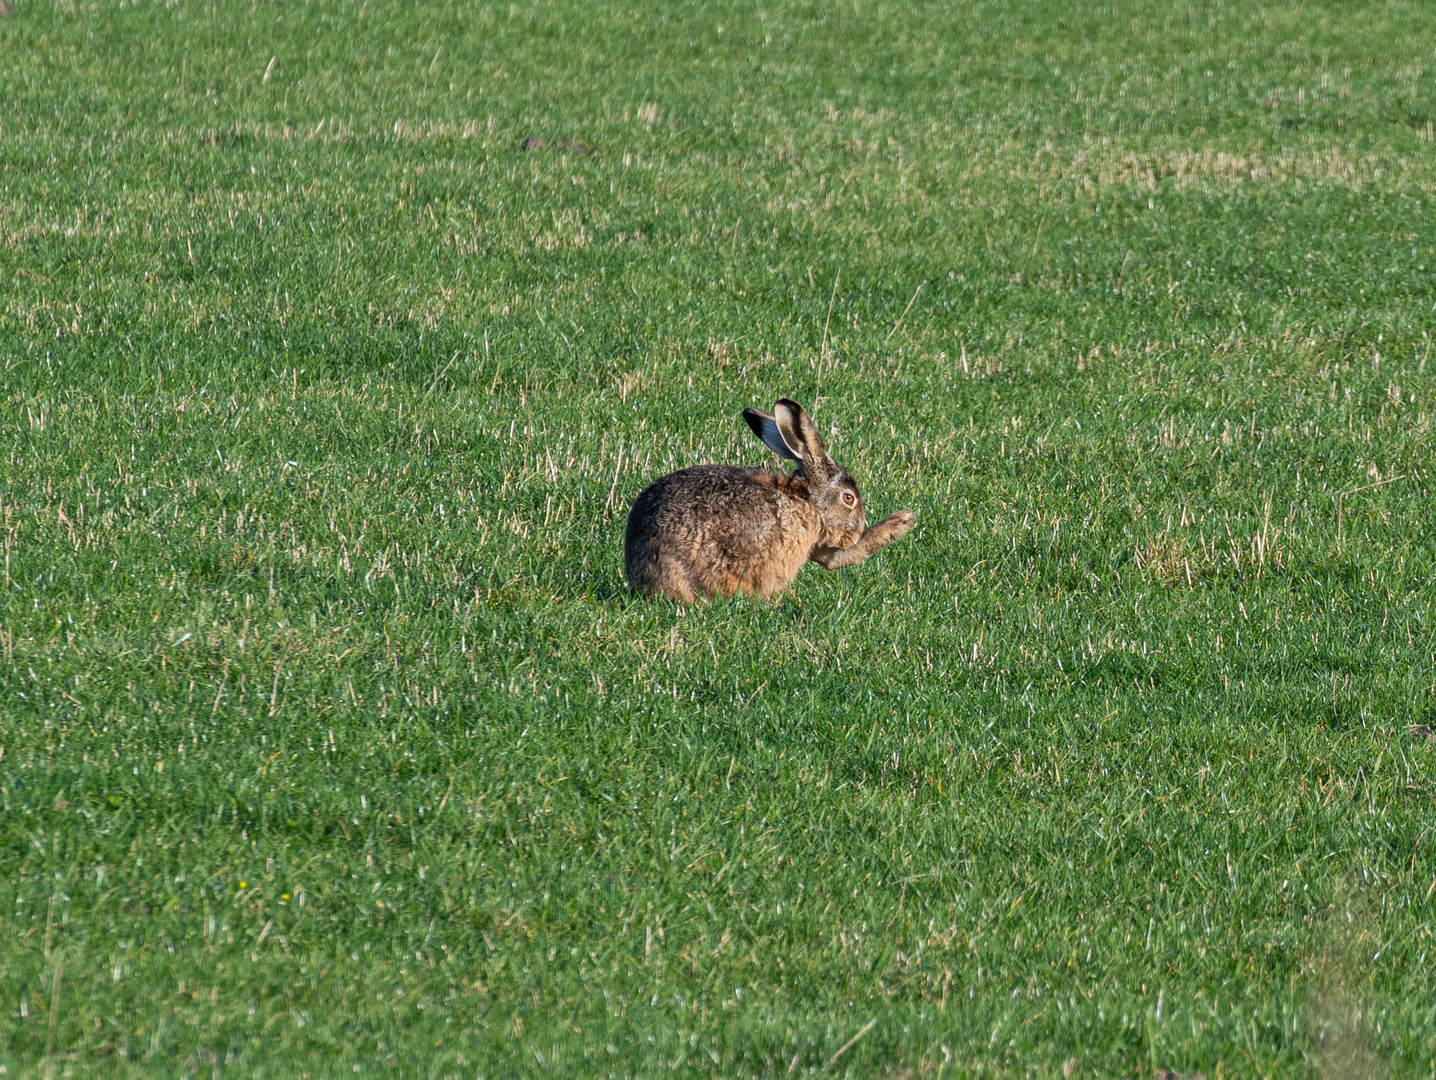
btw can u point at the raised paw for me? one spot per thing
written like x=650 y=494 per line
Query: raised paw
x=895 y=526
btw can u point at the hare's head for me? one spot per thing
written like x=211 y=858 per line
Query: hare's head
x=790 y=433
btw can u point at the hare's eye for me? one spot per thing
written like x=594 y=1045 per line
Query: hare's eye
x=848 y=497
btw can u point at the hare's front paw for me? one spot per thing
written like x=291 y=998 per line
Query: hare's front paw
x=896 y=526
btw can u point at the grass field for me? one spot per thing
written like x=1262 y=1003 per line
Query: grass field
x=331 y=742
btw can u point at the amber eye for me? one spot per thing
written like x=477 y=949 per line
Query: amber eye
x=848 y=498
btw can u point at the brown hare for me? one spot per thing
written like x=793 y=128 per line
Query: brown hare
x=715 y=530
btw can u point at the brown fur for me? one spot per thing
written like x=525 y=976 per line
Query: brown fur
x=715 y=530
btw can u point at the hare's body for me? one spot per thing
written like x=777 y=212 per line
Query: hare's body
x=677 y=547
x=714 y=530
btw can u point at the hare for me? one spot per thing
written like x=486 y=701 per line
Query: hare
x=715 y=530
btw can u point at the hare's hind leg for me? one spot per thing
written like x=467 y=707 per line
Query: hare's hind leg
x=662 y=577
x=874 y=539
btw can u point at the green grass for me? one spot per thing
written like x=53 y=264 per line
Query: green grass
x=330 y=740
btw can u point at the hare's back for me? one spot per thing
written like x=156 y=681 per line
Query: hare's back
x=704 y=503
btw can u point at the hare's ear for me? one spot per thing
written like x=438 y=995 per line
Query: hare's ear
x=766 y=428
x=801 y=435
